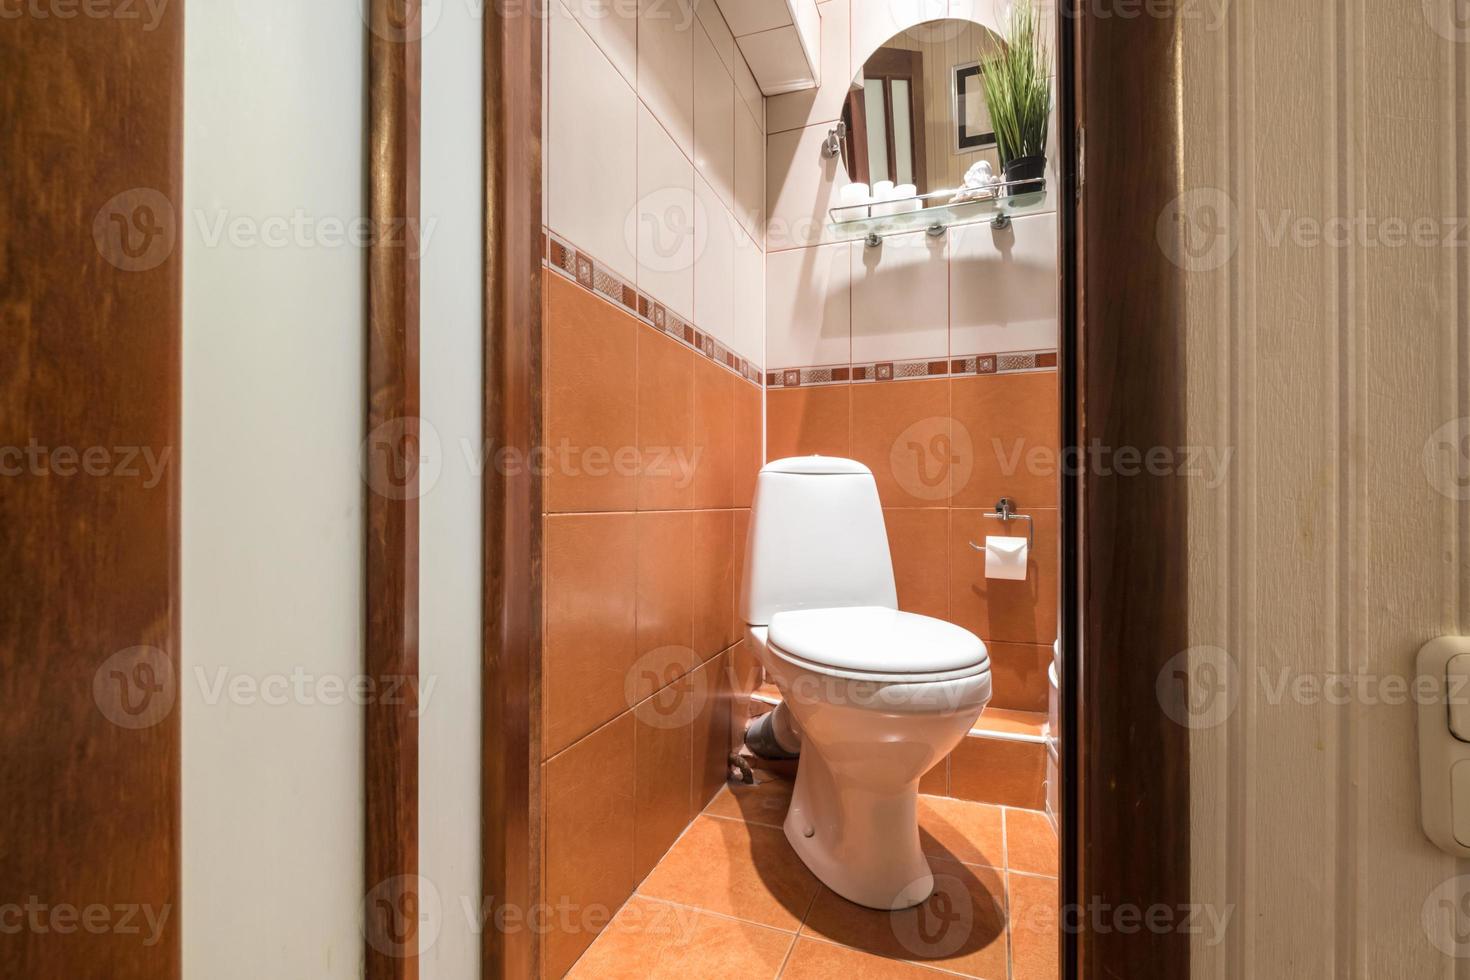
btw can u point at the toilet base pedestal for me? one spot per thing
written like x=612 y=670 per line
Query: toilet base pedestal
x=862 y=841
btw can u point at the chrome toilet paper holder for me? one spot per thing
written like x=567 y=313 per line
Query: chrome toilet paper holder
x=1005 y=510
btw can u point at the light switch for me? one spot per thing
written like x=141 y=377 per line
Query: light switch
x=1460 y=801
x=1457 y=693
x=1443 y=687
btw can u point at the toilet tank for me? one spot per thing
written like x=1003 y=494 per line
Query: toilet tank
x=816 y=540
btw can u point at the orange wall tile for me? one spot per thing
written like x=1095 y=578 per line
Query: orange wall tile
x=712 y=718
x=640 y=594
x=590 y=643
x=590 y=394
x=749 y=436
x=665 y=588
x=901 y=431
x=589 y=849
x=1011 y=427
x=714 y=435
x=1018 y=675
x=803 y=421
x=998 y=609
x=714 y=580
x=919 y=543
x=1000 y=771
x=663 y=761
x=665 y=421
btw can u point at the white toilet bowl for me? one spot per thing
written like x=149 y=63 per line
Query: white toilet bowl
x=878 y=696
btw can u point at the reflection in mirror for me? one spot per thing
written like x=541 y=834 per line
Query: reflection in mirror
x=916 y=128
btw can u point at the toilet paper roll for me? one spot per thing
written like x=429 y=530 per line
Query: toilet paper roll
x=1005 y=557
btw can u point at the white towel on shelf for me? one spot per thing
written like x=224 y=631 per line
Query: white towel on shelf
x=979 y=184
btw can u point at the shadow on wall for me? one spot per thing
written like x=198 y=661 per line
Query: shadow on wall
x=1028 y=287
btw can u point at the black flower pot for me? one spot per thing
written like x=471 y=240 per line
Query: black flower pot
x=1025 y=175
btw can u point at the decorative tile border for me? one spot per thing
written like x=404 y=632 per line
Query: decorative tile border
x=565 y=258
x=977 y=364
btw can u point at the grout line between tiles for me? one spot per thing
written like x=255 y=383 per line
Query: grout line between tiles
x=922 y=964
x=713 y=914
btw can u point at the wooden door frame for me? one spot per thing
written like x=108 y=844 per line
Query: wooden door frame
x=1125 y=762
x=1125 y=765
x=891 y=63
x=91 y=371
x=391 y=508
x=511 y=660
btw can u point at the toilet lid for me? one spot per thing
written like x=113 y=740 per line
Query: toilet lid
x=875 y=640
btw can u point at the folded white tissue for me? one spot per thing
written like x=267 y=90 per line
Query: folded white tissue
x=1005 y=557
x=979 y=184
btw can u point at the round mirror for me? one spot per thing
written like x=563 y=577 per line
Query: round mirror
x=917 y=128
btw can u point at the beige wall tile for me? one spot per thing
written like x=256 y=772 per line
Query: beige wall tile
x=591 y=155
x=665 y=232
x=900 y=299
x=809 y=306
x=666 y=30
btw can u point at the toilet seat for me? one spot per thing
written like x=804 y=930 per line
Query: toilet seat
x=875 y=643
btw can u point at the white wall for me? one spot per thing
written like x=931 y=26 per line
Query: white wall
x=449 y=513
x=272 y=498
x=1339 y=540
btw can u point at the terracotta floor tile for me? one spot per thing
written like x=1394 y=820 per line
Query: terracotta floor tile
x=1034 y=923
x=962 y=831
x=655 y=940
x=812 y=960
x=1031 y=843
x=764 y=803
x=960 y=928
x=735 y=868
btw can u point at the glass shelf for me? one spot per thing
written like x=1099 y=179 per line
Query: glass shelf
x=932 y=213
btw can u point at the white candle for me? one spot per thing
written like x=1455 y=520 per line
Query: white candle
x=905 y=193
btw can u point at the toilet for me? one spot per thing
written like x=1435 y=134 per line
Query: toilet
x=872 y=697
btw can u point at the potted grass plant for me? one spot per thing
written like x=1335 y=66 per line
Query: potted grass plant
x=1017 y=82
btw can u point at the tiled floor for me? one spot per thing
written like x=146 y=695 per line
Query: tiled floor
x=731 y=899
